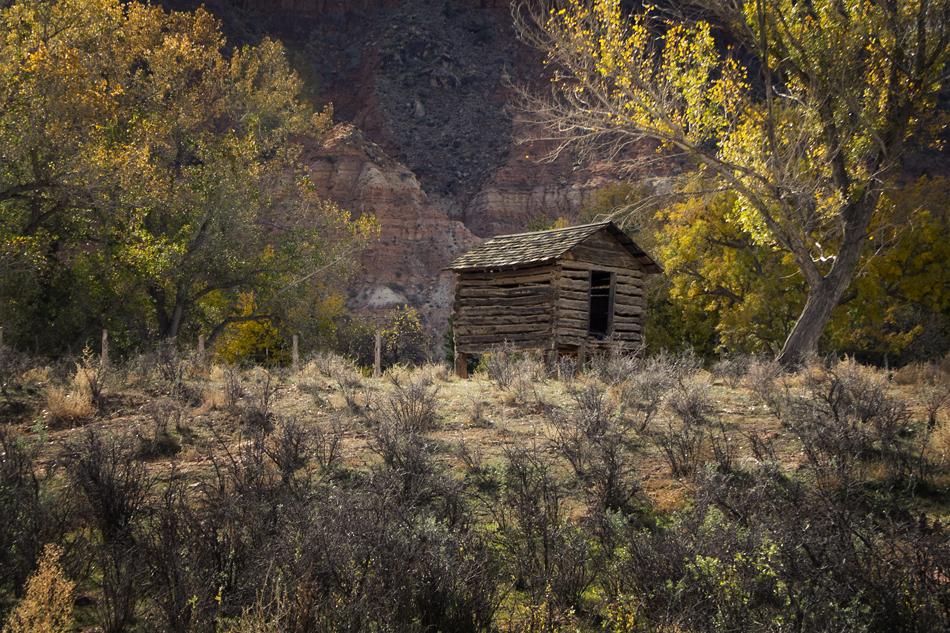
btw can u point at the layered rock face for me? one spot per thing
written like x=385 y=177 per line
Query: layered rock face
x=417 y=237
x=319 y=8
x=434 y=158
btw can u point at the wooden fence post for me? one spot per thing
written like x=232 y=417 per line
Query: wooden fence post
x=551 y=362
x=294 y=357
x=104 y=358
x=461 y=365
x=378 y=370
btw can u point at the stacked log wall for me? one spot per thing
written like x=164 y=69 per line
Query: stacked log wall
x=601 y=253
x=513 y=306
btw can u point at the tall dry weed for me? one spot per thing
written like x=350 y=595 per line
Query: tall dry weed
x=67 y=407
x=921 y=373
x=939 y=443
x=47 y=605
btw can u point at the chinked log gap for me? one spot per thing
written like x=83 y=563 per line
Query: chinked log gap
x=572 y=292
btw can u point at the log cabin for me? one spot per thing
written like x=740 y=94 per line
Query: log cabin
x=574 y=291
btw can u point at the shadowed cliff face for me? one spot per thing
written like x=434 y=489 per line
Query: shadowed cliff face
x=431 y=150
x=435 y=156
x=417 y=237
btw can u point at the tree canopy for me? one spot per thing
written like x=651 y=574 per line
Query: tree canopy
x=801 y=111
x=148 y=177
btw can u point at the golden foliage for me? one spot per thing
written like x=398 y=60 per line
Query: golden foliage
x=47 y=606
x=145 y=170
x=807 y=154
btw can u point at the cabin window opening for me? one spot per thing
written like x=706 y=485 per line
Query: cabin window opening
x=600 y=312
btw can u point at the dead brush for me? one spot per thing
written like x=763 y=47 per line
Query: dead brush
x=410 y=404
x=350 y=383
x=328 y=444
x=615 y=367
x=733 y=370
x=261 y=396
x=325 y=364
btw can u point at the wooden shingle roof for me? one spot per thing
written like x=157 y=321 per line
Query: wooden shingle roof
x=521 y=249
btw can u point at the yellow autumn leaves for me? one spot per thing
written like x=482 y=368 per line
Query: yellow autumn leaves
x=139 y=167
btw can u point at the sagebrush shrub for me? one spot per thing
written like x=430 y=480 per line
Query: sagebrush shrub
x=349 y=382
x=642 y=395
x=615 y=367
x=763 y=379
x=261 y=394
x=325 y=363
x=30 y=516
x=92 y=374
x=289 y=446
x=684 y=448
x=513 y=370
x=934 y=396
x=733 y=370
x=411 y=404
x=845 y=416
x=691 y=403
x=328 y=444
x=233 y=386
x=547 y=554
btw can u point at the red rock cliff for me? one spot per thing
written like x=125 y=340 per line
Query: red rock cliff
x=417 y=238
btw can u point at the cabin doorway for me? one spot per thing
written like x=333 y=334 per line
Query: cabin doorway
x=600 y=304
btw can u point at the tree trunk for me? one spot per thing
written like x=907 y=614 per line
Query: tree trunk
x=824 y=296
x=803 y=339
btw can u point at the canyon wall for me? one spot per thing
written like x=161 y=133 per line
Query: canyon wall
x=428 y=140
x=417 y=238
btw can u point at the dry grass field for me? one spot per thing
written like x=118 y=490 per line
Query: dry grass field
x=641 y=495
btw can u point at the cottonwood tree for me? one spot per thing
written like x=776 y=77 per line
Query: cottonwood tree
x=805 y=116
x=147 y=174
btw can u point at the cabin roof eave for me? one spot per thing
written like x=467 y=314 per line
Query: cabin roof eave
x=509 y=252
